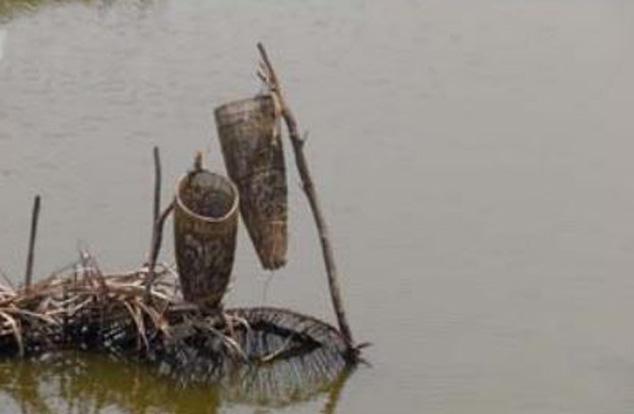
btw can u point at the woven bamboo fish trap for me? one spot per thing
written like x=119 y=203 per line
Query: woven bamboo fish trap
x=175 y=318
x=252 y=148
x=205 y=226
x=267 y=354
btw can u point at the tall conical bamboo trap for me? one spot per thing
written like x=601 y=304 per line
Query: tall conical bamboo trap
x=173 y=316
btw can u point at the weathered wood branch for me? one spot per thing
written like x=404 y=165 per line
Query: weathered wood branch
x=272 y=81
x=157 y=224
x=157 y=240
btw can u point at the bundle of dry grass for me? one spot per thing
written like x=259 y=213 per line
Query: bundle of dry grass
x=68 y=307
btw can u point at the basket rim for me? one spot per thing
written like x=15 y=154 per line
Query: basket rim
x=238 y=102
x=232 y=211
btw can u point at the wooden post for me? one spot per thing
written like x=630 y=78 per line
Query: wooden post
x=271 y=80
x=29 y=260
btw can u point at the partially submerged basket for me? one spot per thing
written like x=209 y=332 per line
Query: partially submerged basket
x=252 y=148
x=285 y=356
x=205 y=225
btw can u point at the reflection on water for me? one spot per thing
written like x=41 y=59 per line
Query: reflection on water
x=9 y=7
x=13 y=8
x=72 y=383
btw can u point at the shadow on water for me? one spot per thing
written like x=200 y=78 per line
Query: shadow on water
x=80 y=383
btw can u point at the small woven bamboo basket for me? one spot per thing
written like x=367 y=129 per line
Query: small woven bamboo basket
x=205 y=225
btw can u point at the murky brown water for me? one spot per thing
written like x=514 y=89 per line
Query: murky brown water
x=475 y=160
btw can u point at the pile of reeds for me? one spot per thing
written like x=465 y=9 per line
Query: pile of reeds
x=83 y=308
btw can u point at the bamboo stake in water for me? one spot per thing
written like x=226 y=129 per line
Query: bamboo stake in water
x=157 y=183
x=29 y=260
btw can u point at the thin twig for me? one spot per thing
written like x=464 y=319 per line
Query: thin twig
x=7 y=280
x=29 y=260
x=157 y=227
x=273 y=355
x=273 y=83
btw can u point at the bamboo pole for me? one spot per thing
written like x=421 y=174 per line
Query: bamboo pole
x=31 y=254
x=270 y=78
x=157 y=183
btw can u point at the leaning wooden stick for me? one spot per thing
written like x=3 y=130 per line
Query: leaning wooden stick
x=29 y=260
x=271 y=80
